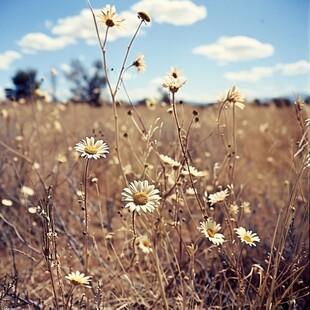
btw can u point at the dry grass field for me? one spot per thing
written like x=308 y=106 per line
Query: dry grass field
x=155 y=206
x=61 y=213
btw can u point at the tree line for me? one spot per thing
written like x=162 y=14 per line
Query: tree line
x=86 y=85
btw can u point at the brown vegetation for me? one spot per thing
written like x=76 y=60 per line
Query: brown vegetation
x=40 y=246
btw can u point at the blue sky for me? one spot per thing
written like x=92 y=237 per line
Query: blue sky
x=261 y=46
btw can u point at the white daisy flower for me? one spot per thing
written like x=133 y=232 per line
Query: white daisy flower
x=246 y=207
x=139 y=63
x=247 y=236
x=145 y=245
x=90 y=148
x=234 y=96
x=77 y=278
x=109 y=16
x=233 y=209
x=27 y=191
x=169 y=161
x=7 y=202
x=174 y=80
x=193 y=171
x=139 y=195
x=210 y=229
x=218 y=197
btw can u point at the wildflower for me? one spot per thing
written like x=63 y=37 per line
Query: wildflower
x=218 y=197
x=233 y=209
x=191 y=191
x=77 y=278
x=234 y=96
x=192 y=171
x=247 y=236
x=91 y=148
x=32 y=210
x=144 y=16
x=145 y=245
x=54 y=72
x=246 y=207
x=139 y=63
x=169 y=161
x=210 y=229
x=174 y=80
x=4 y=114
x=109 y=17
x=36 y=166
x=61 y=158
x=27 y=191
x=150 y=104
x=175 y=73
x=139 y=195
x=7 y=202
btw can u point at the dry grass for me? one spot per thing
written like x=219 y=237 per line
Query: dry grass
x=185 y=270
x=71 y=217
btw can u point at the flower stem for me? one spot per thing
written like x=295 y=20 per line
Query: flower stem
x=86 y=216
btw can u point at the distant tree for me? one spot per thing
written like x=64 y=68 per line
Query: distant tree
x=87 y=84
x=25 y=84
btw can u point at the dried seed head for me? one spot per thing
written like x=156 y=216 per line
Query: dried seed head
x=144 y=16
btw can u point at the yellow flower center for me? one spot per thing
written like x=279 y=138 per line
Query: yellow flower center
x=146 y=243
x=140 y=198
x=247 y=238
x=211 y=233
x=90 y=149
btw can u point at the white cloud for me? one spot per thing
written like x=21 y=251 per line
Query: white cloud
x=294 y=68
x=39 y=41
x=7 y=58
x=253 y=75
x=175 y=12
x=232 y=49
x=82 y=26
x=78 y=26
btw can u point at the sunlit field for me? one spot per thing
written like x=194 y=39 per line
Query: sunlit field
x=162 y=205
x=147 y=260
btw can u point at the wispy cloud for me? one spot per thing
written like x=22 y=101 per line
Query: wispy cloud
x=232 y=49
x=38 y=41
x=175 y=12
x=7 y=58
x=294 y=68
x=71 y=28
x=255 y=74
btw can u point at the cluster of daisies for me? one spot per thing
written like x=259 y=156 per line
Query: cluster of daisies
x=142 y=196
x=211 y=230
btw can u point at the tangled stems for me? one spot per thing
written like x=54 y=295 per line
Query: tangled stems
x=69 y=296
x=232 y=155
x=184 y=151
